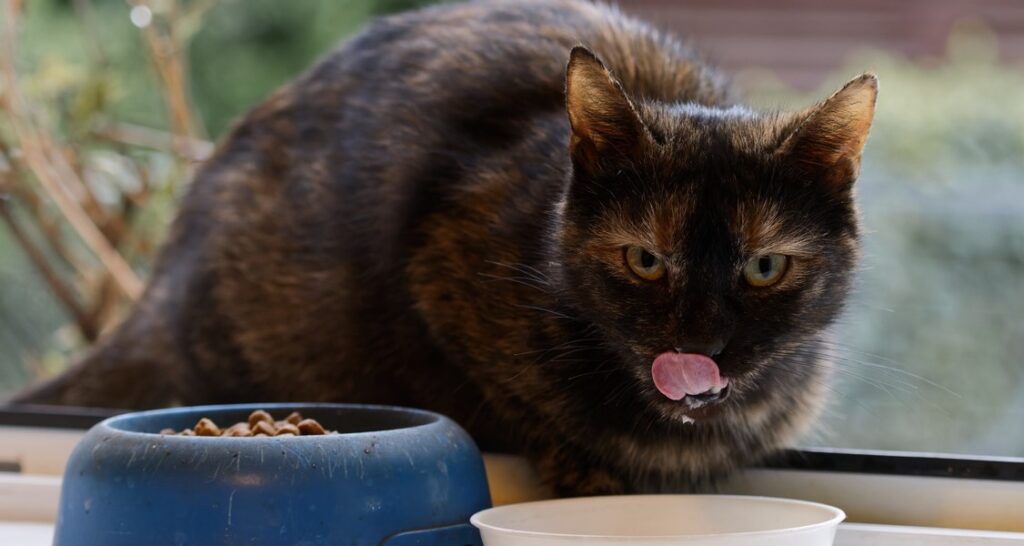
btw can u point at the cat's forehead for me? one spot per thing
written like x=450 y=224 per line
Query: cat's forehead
x=698 y=131
x=764 y=227
x=711 y=180
x=654 y=225
x=669 y=223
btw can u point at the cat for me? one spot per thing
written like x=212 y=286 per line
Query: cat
x=544 y=219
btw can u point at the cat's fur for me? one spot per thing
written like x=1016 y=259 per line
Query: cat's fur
x=414 y=221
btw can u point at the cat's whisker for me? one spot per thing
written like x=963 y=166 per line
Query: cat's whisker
x=929 y=382
x=527 y=270
x=846 y=367
x=517 y=375
x=518 y=280
x=573 y=343
x=537 y=273
x=883 y=385
x=896 y=370
x=901 y=401
x=619 y=392
x=562 y=355
x=823 y=383
x=838 y=348
x=905 y=387
x=585 y=374
x=567 y=344
x=840 y=366
x=573 y=346
x=849 y=348
x=886 y=385
x=545 y=310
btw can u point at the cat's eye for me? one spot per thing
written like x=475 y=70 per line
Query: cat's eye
x=645 y=265
x=765 y=270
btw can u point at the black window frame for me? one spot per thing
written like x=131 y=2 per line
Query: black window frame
x=847 y=461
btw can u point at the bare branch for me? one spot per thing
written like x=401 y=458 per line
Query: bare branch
x=166 y=51
x=52 y=170
x=63 y=292
x=190 y=149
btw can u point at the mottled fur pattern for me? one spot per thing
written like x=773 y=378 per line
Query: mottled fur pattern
x=415 y=221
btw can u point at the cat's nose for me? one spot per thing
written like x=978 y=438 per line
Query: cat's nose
x=709 y=348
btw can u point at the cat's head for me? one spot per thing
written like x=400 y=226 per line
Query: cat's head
x=709 y=245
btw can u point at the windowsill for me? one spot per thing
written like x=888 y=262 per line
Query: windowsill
x=35 y=457
x=41 y=534
x=856 y=534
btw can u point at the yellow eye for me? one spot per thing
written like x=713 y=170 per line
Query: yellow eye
x=765 y=270
x=645 y=265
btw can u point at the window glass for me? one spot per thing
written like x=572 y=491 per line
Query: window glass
x=928 y=354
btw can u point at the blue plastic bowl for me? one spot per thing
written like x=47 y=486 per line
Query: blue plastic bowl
x=393 y=476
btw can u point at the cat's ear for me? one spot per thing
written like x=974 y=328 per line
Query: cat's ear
x=827 y=144
x=606 y=128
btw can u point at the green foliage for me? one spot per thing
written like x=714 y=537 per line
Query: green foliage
x=241 y=52
x=248 y=47
x=90 y=68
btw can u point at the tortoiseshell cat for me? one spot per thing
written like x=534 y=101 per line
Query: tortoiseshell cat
x=617 y=271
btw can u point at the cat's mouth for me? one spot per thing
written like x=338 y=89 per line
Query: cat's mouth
x=692 y=379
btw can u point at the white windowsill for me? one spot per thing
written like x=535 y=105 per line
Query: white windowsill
x=41 y=534
x=28 y=501
x=855 y=534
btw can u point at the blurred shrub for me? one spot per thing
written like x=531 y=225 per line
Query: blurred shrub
x=95 y=88
x=930 y=349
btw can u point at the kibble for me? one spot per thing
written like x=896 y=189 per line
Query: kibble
x=238 y=429
x=310 y=426
x=257 y=416
x=260 y=423
x=263 y=428
x=206 y=427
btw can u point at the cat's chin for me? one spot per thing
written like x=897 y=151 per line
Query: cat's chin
x=690 y=410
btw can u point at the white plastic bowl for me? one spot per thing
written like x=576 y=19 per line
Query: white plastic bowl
x=660 y=520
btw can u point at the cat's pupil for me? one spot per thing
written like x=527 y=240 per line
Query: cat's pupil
x=764 y=265
x=646 y=260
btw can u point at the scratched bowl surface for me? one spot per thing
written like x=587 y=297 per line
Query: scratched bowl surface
x=392 y=476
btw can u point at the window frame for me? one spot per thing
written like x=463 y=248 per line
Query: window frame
x=926 y=490
x=813 y=459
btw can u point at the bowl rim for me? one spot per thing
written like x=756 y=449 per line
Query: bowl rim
x=111 y=424
x=838 y=515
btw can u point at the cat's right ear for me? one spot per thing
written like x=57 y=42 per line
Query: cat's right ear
x=827 y=144
x=606 y=129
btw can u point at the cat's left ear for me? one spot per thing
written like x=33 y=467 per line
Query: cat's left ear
x=606 y=128
x=828 y=143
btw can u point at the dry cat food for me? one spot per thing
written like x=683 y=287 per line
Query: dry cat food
x=260 y=423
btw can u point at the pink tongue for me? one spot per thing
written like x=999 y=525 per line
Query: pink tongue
x=679 y=374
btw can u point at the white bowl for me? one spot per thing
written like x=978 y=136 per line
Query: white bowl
x=660 y=520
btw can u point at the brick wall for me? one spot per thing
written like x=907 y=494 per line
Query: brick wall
x=803 y=40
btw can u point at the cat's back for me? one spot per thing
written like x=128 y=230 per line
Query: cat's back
x=504 y=48
x=347 y=161
x=465 y=74
x=302 y=222
x=394 y=115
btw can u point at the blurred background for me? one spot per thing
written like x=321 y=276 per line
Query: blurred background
x=107 y=107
